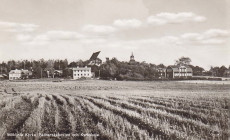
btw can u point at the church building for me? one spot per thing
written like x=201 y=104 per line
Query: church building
x=132 y=60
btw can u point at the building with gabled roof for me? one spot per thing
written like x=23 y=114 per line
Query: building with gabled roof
x=176 y=72
x=19 y=74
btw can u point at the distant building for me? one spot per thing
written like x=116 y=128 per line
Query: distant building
x=161 y=72
x=227 y=73
x=19 y=74
x=132 y=60
x=58 y=73
x=176 y=72
x=80 y=72
x=94 y=60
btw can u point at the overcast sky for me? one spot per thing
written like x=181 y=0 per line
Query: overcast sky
x=156 y=31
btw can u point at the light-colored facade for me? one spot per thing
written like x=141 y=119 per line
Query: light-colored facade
x=80 y=72
x=19 y=74
x=175 y=72
x=15 y=74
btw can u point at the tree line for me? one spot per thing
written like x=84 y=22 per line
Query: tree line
x=112 y=68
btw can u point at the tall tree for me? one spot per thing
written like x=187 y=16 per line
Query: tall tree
x=222 y=70
x=183 y=61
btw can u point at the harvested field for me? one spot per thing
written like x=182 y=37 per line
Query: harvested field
x=114 y=110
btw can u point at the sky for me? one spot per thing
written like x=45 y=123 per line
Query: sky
x=156 y=31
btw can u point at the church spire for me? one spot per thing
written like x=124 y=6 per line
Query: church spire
x=132 y=61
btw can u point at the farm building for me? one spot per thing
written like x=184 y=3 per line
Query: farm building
x=227 y=73
x=58 y=72
x=176 y=72
x=19 y=74
x=79 y=72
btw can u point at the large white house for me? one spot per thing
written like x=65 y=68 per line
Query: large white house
x=19 y=74
x=79 y=72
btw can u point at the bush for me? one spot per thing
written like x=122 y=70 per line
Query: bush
x=215 y=79
x=198 y=78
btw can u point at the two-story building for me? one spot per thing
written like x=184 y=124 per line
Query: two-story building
x=19 y=74
x=79 y=72
x=176 y=72
x=161 y=72
x=15 y=74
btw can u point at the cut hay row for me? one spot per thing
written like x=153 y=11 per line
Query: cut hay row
x=177 y=105
x=204 y=118
x=86 y=123
x=154 y=126
x=112 y=125
x=12 y=118
x=35 y=119
x=195 y=102
x=179 y=123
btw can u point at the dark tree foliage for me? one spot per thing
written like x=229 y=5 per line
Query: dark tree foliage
x=183 y=61
x=113 y=68
x=197 y=70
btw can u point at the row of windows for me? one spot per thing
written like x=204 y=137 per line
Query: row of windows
x=81 y=75
x=81 y=70
x=183 y=74
x=14 y=77
x=15 y=74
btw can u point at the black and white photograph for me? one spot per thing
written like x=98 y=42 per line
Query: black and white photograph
x=114 y=70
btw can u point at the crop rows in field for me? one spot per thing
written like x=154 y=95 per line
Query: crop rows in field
x=112 y=116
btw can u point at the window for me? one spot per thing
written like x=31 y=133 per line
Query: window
x=78 y=74
x=74 y=74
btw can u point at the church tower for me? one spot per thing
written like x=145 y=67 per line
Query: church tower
x=132 y=60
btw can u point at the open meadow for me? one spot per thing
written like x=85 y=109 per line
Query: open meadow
x=114 y=110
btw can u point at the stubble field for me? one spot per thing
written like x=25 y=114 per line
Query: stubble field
x=114 y=110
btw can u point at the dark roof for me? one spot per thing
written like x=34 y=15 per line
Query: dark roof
x=20 y=71
x=94 y=55
x=176 y=68
x=81 y=68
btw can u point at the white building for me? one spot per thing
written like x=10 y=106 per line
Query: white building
x=15 y=74
x=18 y=74
x=79 y=72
